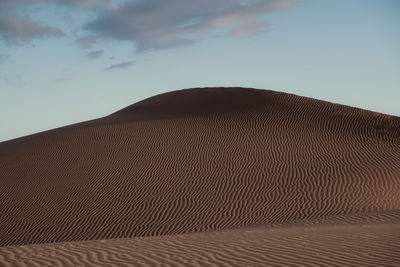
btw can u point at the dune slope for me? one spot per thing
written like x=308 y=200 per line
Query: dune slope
x=196 y=160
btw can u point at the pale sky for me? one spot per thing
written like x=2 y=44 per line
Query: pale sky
x=66 y=61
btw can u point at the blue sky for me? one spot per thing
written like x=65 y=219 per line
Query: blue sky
x=66 y=61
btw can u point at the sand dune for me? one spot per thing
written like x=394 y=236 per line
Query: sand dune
x=199 y=160
x=327 y=242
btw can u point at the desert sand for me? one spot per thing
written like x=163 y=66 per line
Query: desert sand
x=208 y=177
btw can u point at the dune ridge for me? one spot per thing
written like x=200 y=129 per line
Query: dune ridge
x=198 y=160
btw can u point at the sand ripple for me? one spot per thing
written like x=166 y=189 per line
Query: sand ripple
x=327 y=242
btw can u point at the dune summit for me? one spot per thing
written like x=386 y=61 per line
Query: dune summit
x=200 y=160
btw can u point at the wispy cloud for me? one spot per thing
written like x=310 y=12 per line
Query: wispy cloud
x=16 y=28
x=120 y=65
x=87 y=41
x=8 y=4
x=151 y=24
x=156 y=24
x=94 y=54
x=79 y=3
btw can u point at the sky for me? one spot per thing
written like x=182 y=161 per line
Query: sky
x=67 y=61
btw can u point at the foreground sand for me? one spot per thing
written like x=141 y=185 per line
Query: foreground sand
x=368 y=240
x=199 y=160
